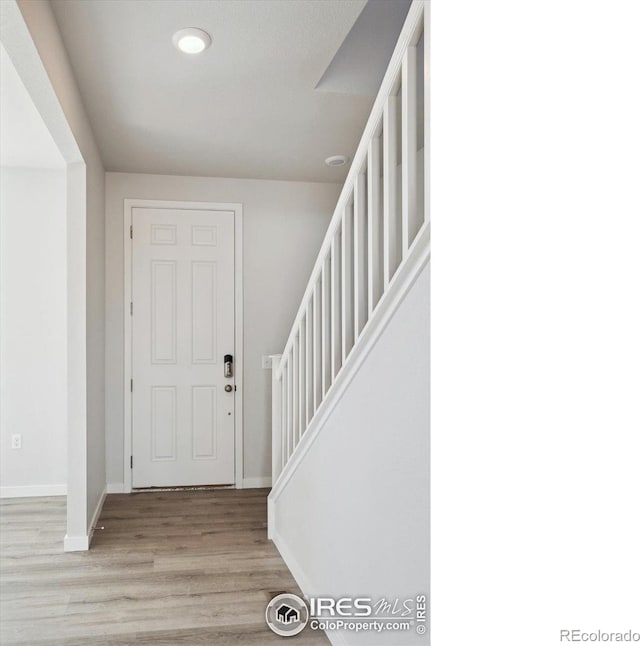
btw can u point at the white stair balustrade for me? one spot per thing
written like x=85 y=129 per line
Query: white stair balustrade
x=379 y=228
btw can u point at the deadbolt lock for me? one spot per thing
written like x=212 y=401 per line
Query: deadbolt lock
x=228 y=366
x=228 y=388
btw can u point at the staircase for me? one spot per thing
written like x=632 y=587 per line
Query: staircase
x=368 y=291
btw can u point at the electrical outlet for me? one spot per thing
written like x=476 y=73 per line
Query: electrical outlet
x=16 y=441
x=266 y=362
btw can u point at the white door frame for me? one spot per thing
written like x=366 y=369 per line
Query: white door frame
x=129 y=205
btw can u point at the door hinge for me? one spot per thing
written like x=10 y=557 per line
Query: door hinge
x=131 y=231
x=131 y=462
x=132 y=385
x=131 y=307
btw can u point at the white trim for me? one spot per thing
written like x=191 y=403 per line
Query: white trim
x=115 y=487
x=271 y=519
x=239 y=343
x=403 y=279
x=29 y=491
x=256 y=483
x=76 y=543
x=82 y=543
x=276 y=419
x=293 y=565
x=237 y=209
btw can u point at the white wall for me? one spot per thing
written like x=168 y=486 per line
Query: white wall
x=353 y=519
x=25 y=24
x=33 y=331
x=284 y=224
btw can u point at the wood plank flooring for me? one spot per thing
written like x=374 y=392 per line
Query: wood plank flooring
x=192 y=567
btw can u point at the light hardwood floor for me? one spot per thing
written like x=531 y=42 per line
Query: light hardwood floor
x=169 y=568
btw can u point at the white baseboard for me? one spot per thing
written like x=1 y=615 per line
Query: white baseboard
x=335 y=637
x=76 y=543
x=115 y=487
x=82 y=543
x=256 y=483
x=293 y=565
x=271 y=519
x=29 y=491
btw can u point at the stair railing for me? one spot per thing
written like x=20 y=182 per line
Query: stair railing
x=379 y=218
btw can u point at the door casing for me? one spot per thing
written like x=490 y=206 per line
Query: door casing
x=130 y=204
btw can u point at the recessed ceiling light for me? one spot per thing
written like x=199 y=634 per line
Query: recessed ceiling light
x=336 y=160
x=191 y=40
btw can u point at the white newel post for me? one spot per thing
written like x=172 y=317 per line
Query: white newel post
x=276 y=418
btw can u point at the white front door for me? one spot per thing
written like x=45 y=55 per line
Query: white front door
x=183 y=326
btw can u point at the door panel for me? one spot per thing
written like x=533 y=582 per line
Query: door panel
x=183 y=325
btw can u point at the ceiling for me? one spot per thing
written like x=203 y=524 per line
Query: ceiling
x=25 y=141
x=361 y=61
x=246 y=107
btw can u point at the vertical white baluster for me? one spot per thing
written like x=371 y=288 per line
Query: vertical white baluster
x=290 y=391
x=276 y=417
x=308 y=409
x=360 y=253
x=326 y=324
x=302 y=374
x=317 y=347
x=347 y=281
x=392 y=246
x=374 y=255
x=285 y=411
x=409 y=149
x=336 y=323
x=295 y=388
